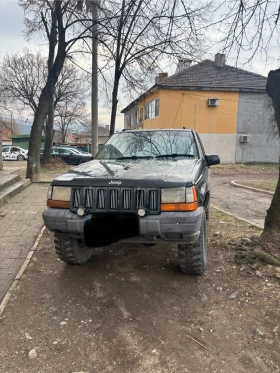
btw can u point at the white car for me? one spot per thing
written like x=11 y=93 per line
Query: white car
x=14 y=153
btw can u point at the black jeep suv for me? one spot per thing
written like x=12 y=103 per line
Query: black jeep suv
x=144 y=186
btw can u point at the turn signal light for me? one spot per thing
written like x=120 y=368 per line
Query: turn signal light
x=58 y=204
x=178 y=206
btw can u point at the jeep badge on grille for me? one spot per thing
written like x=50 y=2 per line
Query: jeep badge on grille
x=112 y=182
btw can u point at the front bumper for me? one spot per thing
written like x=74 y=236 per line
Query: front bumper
x=181 y=227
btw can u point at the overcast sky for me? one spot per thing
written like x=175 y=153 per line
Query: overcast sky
x=12 y=41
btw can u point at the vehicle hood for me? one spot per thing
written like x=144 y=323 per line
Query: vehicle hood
x=150 y=172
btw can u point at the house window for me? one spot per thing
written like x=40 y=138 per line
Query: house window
x=141 y=114
x=128 y=121
x=134 y=119
x=151 y=109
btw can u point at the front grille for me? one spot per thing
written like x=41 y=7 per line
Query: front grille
x=112 y=199
x=140 y=199
x=153 y=200
x=126 y=200
x=78 y=201
x=89 y=198
x=101 y=199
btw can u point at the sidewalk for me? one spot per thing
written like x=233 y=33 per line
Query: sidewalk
x=20 y=224
x=243 y=203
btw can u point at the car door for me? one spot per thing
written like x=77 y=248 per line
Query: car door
x=72 y=157
x=13 y=153
x=5 y=153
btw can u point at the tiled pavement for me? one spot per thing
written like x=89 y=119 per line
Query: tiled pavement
x=20 y=223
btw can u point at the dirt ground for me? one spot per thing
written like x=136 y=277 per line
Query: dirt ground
x=130 y=310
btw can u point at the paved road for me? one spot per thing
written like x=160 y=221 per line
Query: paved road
x=244 y=203
x=20 y=223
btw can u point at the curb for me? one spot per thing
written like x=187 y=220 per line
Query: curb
x=41 y=182
x=237 y=217
x=8 y=295
x=236 y=185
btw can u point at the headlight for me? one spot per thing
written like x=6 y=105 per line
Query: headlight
x=59 y=197
x=173 y=195
x=179 y=199
x=61 y=193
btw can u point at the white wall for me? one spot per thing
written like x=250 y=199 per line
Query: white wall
x=223 y=145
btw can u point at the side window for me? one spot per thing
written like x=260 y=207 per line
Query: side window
x=5 y=150
x=54 y=151
x=13 y=149
x=64 y=151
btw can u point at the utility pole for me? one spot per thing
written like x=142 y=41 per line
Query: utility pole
x=11 y=122
x=94 y=80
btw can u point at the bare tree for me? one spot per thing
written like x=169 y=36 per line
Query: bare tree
x=22 y=78
x=252 y=26
x=72 y=26
x=139 y=34
x=70 y=116
x=133 y=36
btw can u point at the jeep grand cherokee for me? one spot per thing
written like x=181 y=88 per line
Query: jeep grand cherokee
x=144 y=186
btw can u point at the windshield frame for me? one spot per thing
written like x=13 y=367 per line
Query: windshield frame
x=196 y=151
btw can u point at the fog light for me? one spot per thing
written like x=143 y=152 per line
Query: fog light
x=141 y=212
x=81 y=211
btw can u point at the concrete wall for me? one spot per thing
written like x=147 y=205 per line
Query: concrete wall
x=253 y=120
x=223 y=145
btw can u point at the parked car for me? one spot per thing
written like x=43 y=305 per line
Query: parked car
x=75 y=148
x=14 y=153
x=144 y=186
x=68 y=155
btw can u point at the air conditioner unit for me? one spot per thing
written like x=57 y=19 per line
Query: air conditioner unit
x=213 y=101
x=244 y=138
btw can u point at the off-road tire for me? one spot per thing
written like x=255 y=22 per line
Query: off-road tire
x=20 y=157
x=193 y=257
x=72 y=250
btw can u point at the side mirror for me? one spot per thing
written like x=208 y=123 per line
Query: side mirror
x=212 y=159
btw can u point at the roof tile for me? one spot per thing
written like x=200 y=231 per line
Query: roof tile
x=207 y=75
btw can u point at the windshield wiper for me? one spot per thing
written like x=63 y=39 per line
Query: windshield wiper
x=135 y=157
x=174 y=155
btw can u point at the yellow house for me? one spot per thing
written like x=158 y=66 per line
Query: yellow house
x=225 y=105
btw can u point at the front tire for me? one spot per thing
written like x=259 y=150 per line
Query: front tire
x=72 y=250
x=20 y=157
x=193 y=257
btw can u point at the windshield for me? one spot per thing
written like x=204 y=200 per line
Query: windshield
x=147 y=144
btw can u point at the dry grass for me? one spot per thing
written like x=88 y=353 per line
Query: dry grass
x=231 y=168
x=53 y=169
x=55 y=165
x=229 y=227
x=269 y=185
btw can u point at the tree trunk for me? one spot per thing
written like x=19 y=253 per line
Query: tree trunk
x=33 y=161
x=1 y=159
x=49 y=135
x=114 y=104
x=63 y=134
x=49 y=124
x=272 y=220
